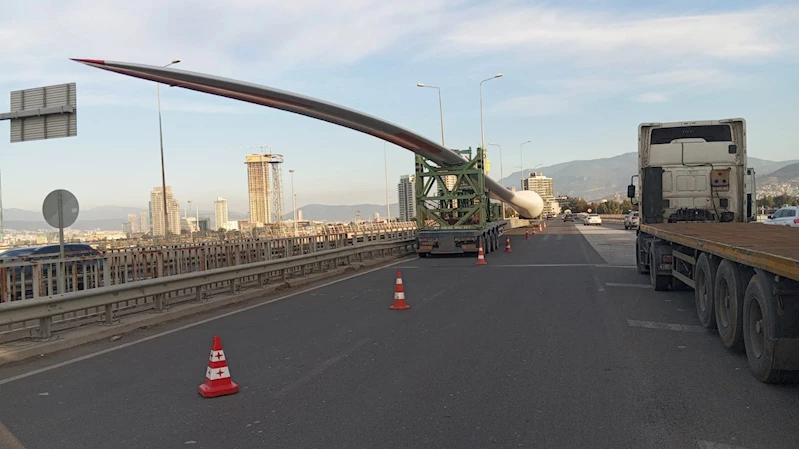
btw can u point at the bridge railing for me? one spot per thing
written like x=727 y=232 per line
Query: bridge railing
x=39 y=317
x=35 y=278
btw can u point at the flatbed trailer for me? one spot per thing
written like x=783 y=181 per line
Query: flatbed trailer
x=745 y=278
x=460 y=241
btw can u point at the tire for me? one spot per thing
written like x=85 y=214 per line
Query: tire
x=659 y=282
x=638 y=262
x=759 y=332
x=728 y=302
x=704 y=281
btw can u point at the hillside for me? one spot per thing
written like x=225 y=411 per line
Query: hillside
x=595 y=179
x=784 y=174
x=343 y=212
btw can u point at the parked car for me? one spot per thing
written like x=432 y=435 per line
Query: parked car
x=592 y=219
x=632 y=220
x=786 y=216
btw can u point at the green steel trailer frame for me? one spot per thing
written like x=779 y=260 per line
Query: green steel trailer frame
x=459 y=218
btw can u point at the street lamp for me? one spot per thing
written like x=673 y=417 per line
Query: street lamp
x=294 y=202
x=440 y=110
x=482 y=131
x=521 y=160
x=163 y=173
x=501 y=174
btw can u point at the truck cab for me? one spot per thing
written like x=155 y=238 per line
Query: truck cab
x=694 y=171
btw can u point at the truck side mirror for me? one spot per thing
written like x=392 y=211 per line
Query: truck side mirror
x=631 y=191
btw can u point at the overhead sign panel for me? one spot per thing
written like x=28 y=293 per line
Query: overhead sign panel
x=43 y=113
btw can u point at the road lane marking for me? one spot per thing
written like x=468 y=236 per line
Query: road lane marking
x=319 y=369
x=529 y=265
x=666 y=326
x=704 y=444
x=622 y=284
x=190 y=325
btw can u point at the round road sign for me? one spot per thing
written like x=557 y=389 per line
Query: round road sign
x=62 y=201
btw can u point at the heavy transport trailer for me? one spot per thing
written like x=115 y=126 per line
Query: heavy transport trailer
x=460 y=241
x=697 y=232
x=745 y=278
x=453 y=209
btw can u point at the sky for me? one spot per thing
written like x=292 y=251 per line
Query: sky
x=579 y=76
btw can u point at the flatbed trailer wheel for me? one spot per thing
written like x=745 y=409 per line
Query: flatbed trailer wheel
x=728 y=299
x=660 y=282
x=704 y=281
x=759 y=316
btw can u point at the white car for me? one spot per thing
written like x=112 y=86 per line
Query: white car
x=632 y=220
x=592 y=219
x=786 y=216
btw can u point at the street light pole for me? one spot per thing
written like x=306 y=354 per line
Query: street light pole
x=440 y=110
x=482 y=130
x=294 y=202
x=501 y=173
x=385 y=167
x=163 y=171
x=521 y=162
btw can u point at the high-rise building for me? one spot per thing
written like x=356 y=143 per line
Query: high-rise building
x=133 y=220
x=544 y=187
x=265 y=186
x=157 y=211
x=144 y=222
x=299 y=214
x=406 y=197
x=204 y=223
x=220 y=213
x=539 y=184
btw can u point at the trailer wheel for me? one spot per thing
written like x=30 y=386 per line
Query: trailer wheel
x=639 y=261
x=704 y=282
x=659 y=281
x=728 y=293
x=759 y=332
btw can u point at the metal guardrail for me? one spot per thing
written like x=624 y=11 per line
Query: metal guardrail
x=34 y=278
x=41 y=316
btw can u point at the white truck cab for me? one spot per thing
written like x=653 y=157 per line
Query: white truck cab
x=695 y=171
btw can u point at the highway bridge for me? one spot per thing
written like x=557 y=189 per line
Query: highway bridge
x=557 y=344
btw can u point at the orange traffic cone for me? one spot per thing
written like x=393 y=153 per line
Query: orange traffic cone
x=533 y=231
x=507 y=244
x=217 y=376
x=527 y=235
x=399 y=294
x=540 y=228
x=481 y=259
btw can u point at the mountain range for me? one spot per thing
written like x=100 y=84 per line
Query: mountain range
x=593 y=179
x=597 y=179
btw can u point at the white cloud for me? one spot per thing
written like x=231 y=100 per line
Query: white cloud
x=600 y=38
x=651 y=97
x=263 y=39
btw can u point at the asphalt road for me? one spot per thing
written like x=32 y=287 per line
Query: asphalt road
x=549 y=346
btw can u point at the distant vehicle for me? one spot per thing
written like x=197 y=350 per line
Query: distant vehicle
x=632 y=220
x=568 y=217
x=592 y=219
x=550 y=216
x=786 y=216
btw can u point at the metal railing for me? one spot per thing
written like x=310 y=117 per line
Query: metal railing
x=34 y=278
x=41 y=316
